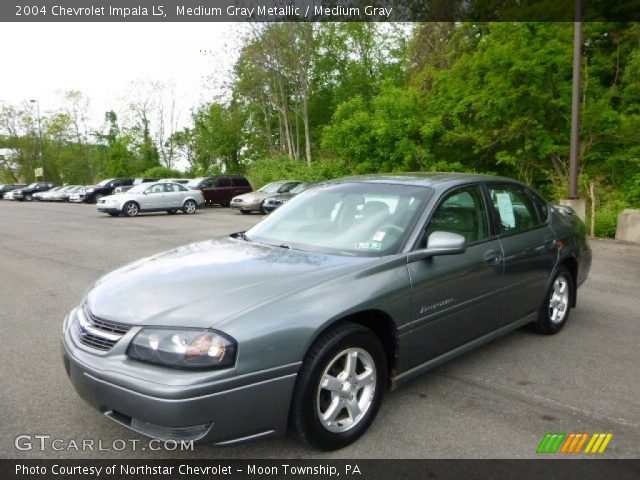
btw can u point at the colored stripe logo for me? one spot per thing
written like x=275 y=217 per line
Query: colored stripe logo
x=574 y=442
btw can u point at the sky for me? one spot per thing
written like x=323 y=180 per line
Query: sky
x=41 y=60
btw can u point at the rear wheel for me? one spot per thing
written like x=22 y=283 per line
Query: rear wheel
x=246 y=212
x=189 y=207
x=339 y=388
x=28 y=197
x=131 y=209
x=556 y=307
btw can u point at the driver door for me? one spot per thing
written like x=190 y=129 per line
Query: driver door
x=455 y=298
x=154 y=197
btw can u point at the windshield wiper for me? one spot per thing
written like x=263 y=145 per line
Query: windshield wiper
x=241 y=235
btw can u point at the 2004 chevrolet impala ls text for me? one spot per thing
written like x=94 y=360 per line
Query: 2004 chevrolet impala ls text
x=304 y=321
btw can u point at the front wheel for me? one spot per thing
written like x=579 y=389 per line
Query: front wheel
x=245 y=212
x=189 y=207
x=131 y=209
x=28 y=197
x=556 y=307
x=339 y=388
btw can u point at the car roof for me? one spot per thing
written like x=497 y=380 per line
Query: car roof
x=424 y=179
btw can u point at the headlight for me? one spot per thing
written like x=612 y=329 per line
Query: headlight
x=89 y=190
x=183 y=348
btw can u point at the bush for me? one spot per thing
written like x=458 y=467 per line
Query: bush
x=607 y=217
x=265 y=170
x=162 y=172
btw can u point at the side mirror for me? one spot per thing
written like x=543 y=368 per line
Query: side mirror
x=440 y=243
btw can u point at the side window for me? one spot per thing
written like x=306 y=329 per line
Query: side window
x=461 y=212
x=211 y=183
x=287 y=186
x=174 y=187
x=541 y=205
x=157 y=188
x=514 y=207
x=223 y=182
x=240 y=182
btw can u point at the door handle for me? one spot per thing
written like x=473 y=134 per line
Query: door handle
x=492 y=257
x=550 y=243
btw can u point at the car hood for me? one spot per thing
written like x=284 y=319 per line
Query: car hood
x=201 y=284
x=252 y=196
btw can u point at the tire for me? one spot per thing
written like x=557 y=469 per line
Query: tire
x=131 y=209
x=97 y=198
x=171 y=212
x=189 y=207
x=262 y=210
x=556 y=307
x=245 y=212
x=328 y=357
x=28 y=197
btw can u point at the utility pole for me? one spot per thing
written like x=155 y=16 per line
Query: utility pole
x=574 y=155
x=39 y=135
x=574 y=201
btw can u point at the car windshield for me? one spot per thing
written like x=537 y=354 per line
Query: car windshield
x=103 y=182
x=271 y=187
x=362 y=219
x=300 y=187
x=195 y=182
x=31 y=185
x=139 y=188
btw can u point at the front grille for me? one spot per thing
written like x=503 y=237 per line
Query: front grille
x=97 y=332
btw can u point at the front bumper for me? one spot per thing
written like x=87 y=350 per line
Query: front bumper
x=108 y=208
x=246 y=206
x=230 y=410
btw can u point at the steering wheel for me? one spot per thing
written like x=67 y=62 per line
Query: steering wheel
x=392 y=227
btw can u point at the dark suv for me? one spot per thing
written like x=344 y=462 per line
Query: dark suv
x=10 y=188
x=104 y=188
x=26 y=193
x=220 y=189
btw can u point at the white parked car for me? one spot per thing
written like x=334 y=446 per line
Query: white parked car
x=152 y=197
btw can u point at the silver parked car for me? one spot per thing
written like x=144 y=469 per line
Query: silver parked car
x=304 y=321
x=252 y=202
x=151 y=197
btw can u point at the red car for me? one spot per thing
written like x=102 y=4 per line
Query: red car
x=220 y=189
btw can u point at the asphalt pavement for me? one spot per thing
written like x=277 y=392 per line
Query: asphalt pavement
x=497 y=401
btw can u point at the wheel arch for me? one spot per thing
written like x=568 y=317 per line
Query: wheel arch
x=571 y=264
x=381 y=325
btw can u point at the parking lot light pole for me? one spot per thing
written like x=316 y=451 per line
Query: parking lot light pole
x=33 y=101
x=574 y=201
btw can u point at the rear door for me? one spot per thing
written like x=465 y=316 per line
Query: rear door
x=456 y=298
x=530 y=250
x=174 y=195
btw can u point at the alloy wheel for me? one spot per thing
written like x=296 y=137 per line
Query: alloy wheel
x=131 y=209
x=346 y=390
x=559 y=299
x=190 y=207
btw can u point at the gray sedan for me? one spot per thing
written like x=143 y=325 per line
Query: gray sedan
x=252 y=201
x=151 y=197
x=306 y=320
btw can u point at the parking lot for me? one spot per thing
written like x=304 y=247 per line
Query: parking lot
x=495 y=402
